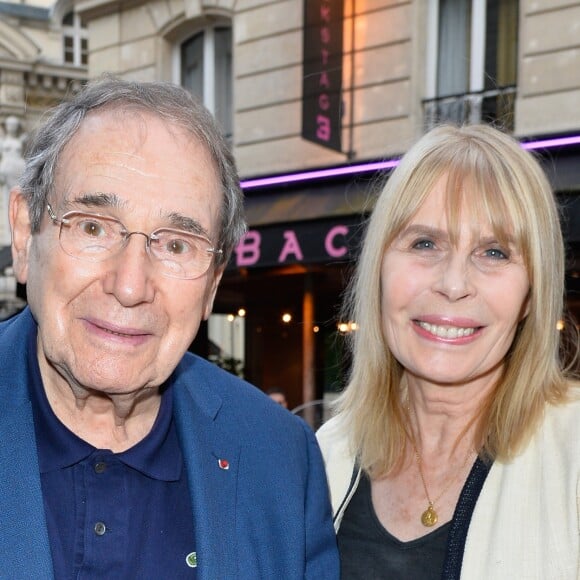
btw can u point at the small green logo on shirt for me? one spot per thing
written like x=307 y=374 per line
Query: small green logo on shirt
x=191 y=560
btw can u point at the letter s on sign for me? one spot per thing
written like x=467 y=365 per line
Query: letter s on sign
x=332 y=250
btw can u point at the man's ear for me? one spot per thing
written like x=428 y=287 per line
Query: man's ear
x=19 y=216
x=211 y=291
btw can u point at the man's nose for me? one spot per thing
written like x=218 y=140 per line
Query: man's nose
x=129 y=274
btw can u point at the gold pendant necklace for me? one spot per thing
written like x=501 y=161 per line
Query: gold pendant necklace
x=430 y=517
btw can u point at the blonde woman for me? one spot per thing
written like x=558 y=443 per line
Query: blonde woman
x=455 y=450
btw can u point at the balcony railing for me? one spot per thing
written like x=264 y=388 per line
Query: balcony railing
x=494 y=106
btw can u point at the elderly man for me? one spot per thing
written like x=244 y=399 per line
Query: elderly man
x=122 y=455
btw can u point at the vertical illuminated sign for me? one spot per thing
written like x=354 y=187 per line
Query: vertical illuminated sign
x=322 y=73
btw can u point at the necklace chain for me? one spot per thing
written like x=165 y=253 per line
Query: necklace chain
x=430 y=517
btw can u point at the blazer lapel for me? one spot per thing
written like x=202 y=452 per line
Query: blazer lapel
x=24 y=545
x=212 y=457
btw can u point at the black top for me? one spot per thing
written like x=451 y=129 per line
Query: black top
x=369 y=552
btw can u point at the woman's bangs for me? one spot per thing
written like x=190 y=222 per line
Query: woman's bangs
x=474 y=188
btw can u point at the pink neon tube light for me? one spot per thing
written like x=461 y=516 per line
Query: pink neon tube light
x=315 y=174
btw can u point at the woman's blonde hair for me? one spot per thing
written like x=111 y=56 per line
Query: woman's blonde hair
x=505 y=186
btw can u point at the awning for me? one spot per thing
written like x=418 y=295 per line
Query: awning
x=309 y=203
x=563 y=170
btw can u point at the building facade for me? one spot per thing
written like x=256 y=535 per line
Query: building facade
x=319 y=99
x=43 y=55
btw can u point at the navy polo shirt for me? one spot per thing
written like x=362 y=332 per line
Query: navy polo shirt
x=114 y=515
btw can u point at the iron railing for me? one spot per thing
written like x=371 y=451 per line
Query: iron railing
x=493 y=106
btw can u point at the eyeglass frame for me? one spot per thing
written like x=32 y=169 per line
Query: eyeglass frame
x=125 y=239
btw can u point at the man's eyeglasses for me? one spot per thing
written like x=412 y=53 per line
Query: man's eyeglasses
x=93 y=237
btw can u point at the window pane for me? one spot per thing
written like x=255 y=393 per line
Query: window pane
x=501 y=38
x=68 y=50
x=192 y=65
x=223 y=78
x=454 y=42
x=84 y=51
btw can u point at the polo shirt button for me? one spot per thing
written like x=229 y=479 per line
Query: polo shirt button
x=100 y=467
x=100 y=528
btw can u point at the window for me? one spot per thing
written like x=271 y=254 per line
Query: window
x=206 y=70
x=472 y=67
x=75 y=40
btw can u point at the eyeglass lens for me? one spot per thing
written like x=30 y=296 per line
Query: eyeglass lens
x=177 y=253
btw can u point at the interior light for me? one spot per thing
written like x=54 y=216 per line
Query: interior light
x=346 y=327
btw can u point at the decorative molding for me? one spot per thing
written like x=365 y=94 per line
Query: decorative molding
x=17 y=44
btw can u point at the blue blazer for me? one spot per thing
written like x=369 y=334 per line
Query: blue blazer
x=267 y=516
